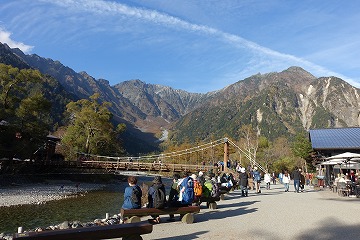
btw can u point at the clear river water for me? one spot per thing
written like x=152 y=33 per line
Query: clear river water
x=86 y=208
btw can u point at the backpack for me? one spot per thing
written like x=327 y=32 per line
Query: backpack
x=188 y=194
x=197 y=189
x=207 y=189
x=136 y=195
x=159 y=199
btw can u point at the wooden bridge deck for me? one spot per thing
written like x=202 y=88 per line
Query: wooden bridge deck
x=143 y=166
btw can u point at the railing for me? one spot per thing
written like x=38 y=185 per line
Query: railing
x=143 y=166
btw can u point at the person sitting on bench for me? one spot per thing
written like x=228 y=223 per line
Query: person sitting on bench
x=156 y=197
x=132 y=195
x=180 y=197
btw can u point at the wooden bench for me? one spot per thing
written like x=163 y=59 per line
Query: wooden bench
x=125 y=231
x=134 y=215
x=210 y=201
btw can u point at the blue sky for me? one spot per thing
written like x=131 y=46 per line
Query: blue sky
x=193 y=45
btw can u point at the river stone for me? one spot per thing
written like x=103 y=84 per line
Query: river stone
x=64 y=225
x=98 y=222
x=76 y=224
x=89 y=224
x=50 y=228
x=112 y=221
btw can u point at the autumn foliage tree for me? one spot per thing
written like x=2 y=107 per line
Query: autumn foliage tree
x=90 y=130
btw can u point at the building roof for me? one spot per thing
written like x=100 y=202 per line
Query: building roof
x=335 y=138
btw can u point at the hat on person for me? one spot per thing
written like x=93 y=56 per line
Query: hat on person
x=157 y=179
x=201 y=173
x=255 y=168
x=193 y=176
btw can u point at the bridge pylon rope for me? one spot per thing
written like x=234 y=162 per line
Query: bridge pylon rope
x=249 y=155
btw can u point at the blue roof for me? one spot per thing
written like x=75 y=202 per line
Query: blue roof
x=335 y=138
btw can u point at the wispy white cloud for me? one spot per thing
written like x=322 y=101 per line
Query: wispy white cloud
x=259 y=52
x=5 y=37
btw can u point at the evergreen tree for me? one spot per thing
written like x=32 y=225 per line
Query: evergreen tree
x=302 y=148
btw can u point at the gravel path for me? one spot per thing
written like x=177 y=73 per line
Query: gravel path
x=40 y=193
x=273 y=214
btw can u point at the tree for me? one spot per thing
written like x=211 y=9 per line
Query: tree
x=90 y=129
x=302 y=148
x=250 y=142
x=24 y=111
x=13 y=89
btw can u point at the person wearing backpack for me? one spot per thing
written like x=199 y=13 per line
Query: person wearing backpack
x=197 y=189
x=187 y=194
x=132 y=195
x=207 y=187
x=156 y=197
x=211 y=187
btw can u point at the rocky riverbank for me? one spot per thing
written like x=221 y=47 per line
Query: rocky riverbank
x=38 y=193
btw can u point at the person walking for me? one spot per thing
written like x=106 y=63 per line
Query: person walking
x=243 y=179
x=267 y=180
x=257 y=179
x=286 y=180
x=273 y=178
x=302 y=181
x=296 y=176
x=251 y=179
x=281 y=178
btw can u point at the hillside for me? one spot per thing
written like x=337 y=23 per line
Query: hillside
x=276 y=104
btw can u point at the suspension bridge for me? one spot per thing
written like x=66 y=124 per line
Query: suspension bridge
x=203 y=157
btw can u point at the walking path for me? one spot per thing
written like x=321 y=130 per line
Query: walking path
x=273 y=214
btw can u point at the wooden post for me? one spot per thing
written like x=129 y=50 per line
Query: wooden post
x=226 y=153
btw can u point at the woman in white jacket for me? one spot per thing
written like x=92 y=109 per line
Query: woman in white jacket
x=267 y=180
x=286 y=180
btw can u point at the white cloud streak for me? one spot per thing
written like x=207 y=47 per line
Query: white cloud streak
x=113 y=8
x=5 y=37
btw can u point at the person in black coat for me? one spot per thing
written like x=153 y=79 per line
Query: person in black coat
x=157 y=188
x=243 y=179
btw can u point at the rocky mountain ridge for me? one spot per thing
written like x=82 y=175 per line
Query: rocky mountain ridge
x=275 y=104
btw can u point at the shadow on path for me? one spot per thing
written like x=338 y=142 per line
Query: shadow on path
x=225 y=214
x=238 y=204
x=194 y=235
x=332 y=229
x=241 y=208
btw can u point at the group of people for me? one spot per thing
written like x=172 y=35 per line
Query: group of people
x=248 y=178
x=185 y=191
x=251 y=179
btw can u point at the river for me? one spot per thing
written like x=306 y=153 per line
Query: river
x=86 y=208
